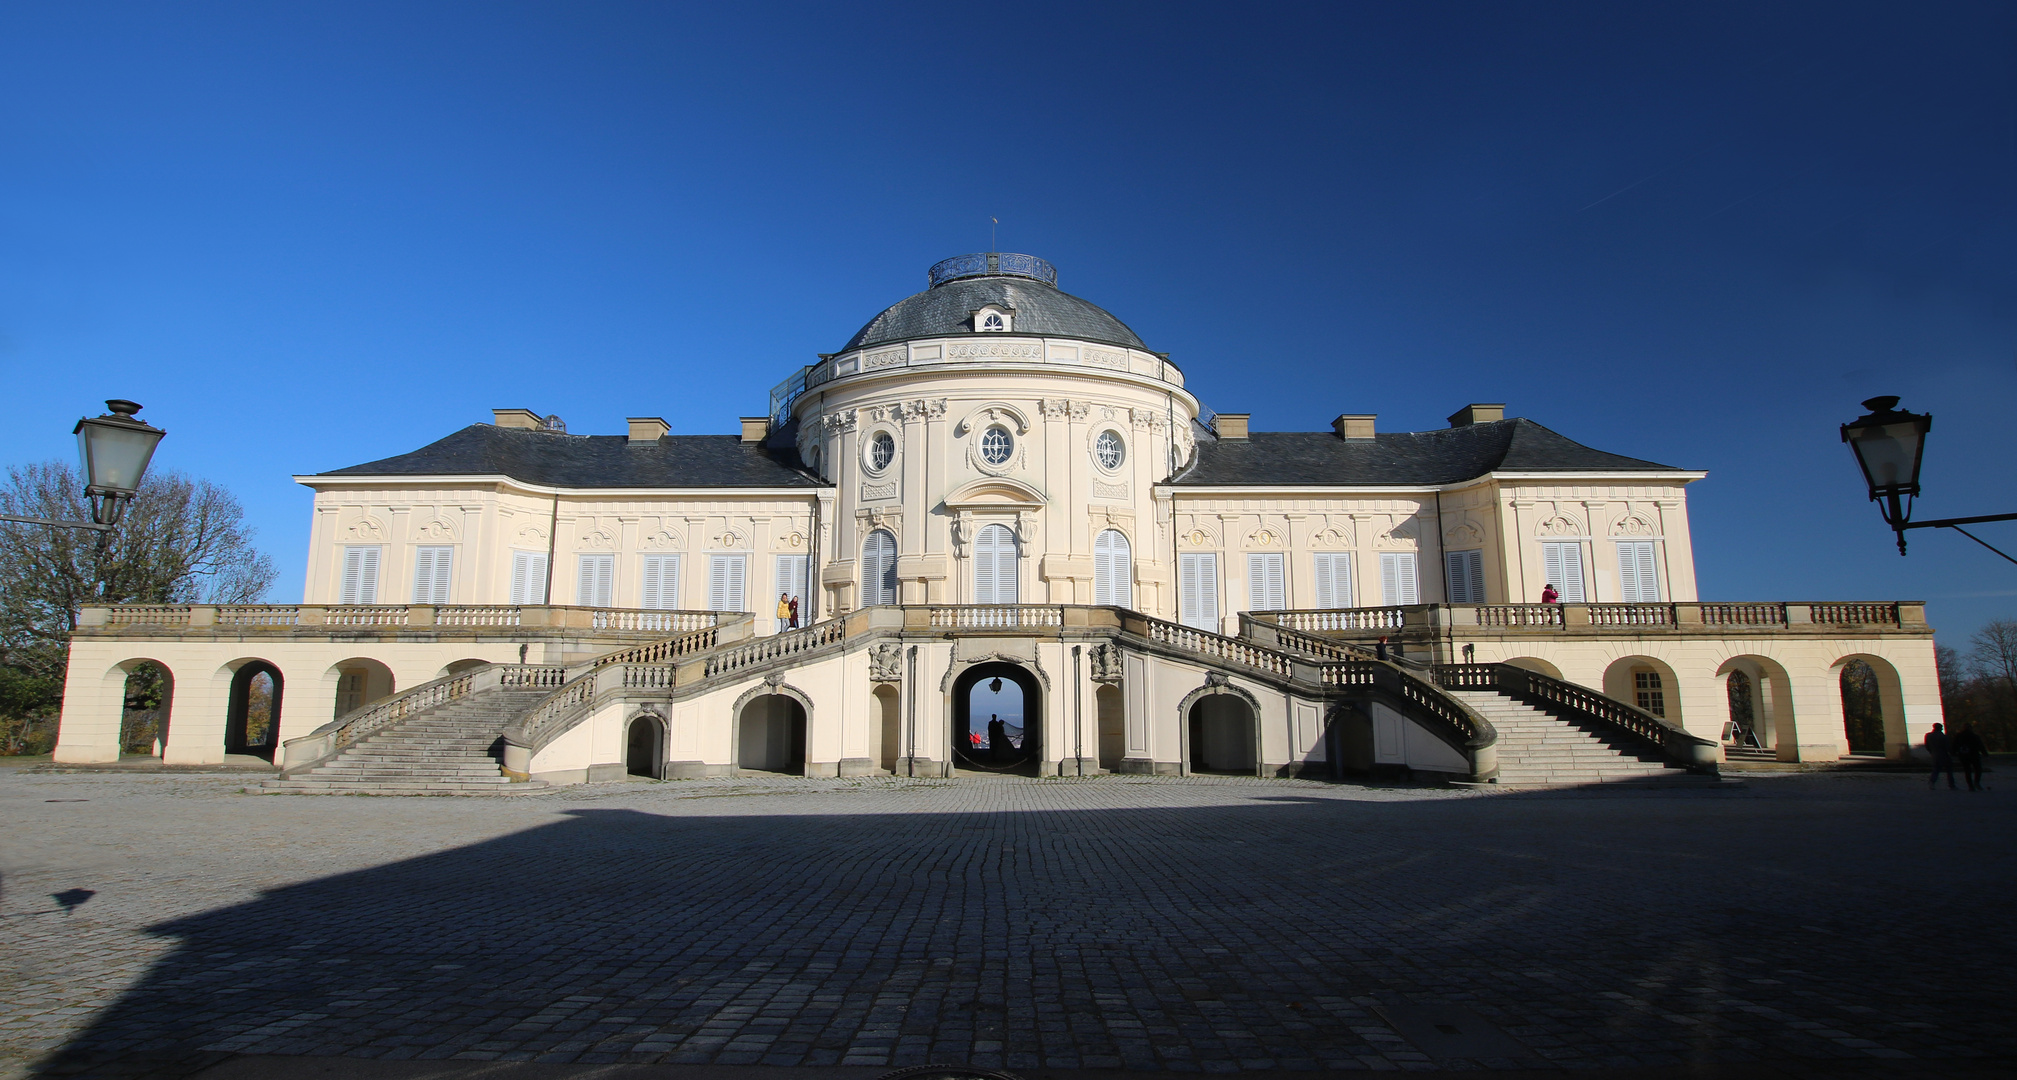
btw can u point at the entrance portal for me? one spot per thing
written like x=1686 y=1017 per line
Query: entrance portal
x=252 y=722
x=771 y=736
x=1222 y=735
x=997 y=722
x=644 y=750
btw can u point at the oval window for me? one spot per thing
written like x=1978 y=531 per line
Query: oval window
x=881 y=451
x=1109 y=450
x=996 y=445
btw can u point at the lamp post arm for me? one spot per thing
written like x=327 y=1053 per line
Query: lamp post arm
x=92 y=525
x=1948 y=523
x=1980 y=541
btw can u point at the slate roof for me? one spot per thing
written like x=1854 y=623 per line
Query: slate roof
x=1039 y=309
x=1409 y=457
x=596 y=461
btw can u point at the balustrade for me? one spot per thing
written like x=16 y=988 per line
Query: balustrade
x=789 y=643
x=1631 y=614
x=1219 y=647
x=1743 y=614
x=148 y=615
x=997 y=617
x=1537 y=615
x=473 y=615
x=1855 y=614
x=257 y=615
x=1368 y=619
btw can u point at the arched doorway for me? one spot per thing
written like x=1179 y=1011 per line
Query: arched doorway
x=770 y=736
x=888 y=728
x=149 y=688
x=359 y=682
x=997 y=723
x=461 y=666
x=1873 y=707
x=1760 y=699
x=1534 y=663
x=1647 y=683
x=1222 y=736
x=1113 y=727
x=252 y=722
x=644 y=747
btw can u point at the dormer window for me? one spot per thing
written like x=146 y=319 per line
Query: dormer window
x=993 y=320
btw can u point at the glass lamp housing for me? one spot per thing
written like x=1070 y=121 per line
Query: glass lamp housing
x=115 y=449
x=1889 y=444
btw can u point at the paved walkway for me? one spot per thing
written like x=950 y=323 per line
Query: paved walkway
x=158 y=924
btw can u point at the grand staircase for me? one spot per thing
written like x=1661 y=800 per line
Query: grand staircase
x=1537 y=748
x=445 y=750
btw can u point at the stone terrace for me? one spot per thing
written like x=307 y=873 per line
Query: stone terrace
x=1817 y=924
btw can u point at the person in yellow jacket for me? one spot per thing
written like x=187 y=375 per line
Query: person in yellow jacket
x=783 y=610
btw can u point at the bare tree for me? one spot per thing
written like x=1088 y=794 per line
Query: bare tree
x=181 y=541
x=1995 y=649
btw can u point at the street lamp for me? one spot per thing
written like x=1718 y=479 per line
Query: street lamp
x=116 y=448
x=1890 y=443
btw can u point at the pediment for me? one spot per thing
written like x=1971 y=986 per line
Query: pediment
x=996 y=493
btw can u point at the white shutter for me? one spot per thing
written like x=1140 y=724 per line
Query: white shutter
x=360 y=575
x=983 y=566
x=994 y=566
x=1113 y=570
x=1267 y=587
x=595 y=581
x=1564 y=563
x=791 y=579
x=1397 y=578
x=431 y=570
x=1636 y=573
x=661 y=582
x=528 y=577
x=1467 y=576
x=725 y=582
x=1334 y=579
x=1198 y=591
x=878 y=568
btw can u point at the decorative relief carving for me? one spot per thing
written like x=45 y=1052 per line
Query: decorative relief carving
x=1148 y=420
x=890 y=358
x=1105 y=660
x=1103 y=490
x=1463 y=534
x=1335 y=536
x=530 y=535
x=1400 y=536
x=962 y=531
x=599 y=538
x=369 y=529
x=1263 y=538
x=1107 y=358
x=994 y=412
x=878 y=517
x=878 y=491
x=1013 y=349
x=662 y=540
x=885 y=662
x=1053 y=408
x=793 y=540
x=1560 y=526
x=1025 y=527
x=837 y=422
x=934 y=408
x=435 y=530
x=1633 y=525
x=1199 y=538
x=729 y=538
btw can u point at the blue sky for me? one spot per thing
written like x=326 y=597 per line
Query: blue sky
x=308 y=236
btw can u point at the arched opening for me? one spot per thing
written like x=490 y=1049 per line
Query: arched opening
x=996 y=578
x=359 y=682
x=1647 y=683
x=252 y=719
x=461 y=666
x=1760 y=700
x=1532 y=663
x=1113 y=727
x=644 y=747
x=888 y=732
x=1873 y=706
x=998 y=719
x=1222 y=736
x=770 y=736
x=1113 y=570
x=878 y=569
x=1742 y=692
x=143 y=719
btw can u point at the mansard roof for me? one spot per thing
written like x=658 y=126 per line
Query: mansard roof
x=597 y=461
x=1445 y=456
x=1040 y=309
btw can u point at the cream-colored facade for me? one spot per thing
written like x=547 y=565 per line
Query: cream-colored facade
x=997 y=475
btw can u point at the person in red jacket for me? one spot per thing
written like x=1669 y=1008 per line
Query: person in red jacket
x=1549 y=595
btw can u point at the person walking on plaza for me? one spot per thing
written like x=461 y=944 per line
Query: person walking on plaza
x=794 y=613
x=1941 y=747
x=1549 y=595
x=1968 y=747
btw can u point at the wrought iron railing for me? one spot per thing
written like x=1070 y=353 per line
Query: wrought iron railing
x=990 y=264
x=996 y=616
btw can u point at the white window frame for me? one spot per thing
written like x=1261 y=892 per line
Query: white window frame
x=1113 y=569
x=433 y=573
x=1562 y=563
x=359 y=583
x=659 y=587
x=996 y=549
x=1198 y=590
x=727 y=582
x=1400 y=579
x=1467 y=575
x=1267 y=581
x=1638 y=572
x=595 y=579
x=528 y=578
x=878 y=569
x=1332 y=572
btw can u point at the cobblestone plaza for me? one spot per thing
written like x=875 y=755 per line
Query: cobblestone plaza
x=1821 y=924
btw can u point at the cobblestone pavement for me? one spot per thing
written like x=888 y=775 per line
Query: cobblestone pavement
x=1825 y=923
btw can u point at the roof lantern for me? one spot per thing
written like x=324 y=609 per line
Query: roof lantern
x=992 y=264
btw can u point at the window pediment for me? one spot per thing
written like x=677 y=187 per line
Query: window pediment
x=995 y=493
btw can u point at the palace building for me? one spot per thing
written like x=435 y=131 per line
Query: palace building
x=996 y=502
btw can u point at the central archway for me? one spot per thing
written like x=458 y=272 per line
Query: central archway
x=770 y=735
x=644 y=747
x=252 y=716
x=1224 y=731
x=998 y=729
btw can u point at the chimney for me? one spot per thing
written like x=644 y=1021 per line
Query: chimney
x=1478 y=413
x=1231 y=425
x=522 y=419
x=647 y=429
x=1354 y=425
x=755 y=428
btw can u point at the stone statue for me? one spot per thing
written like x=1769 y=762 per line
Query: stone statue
x=885 y=662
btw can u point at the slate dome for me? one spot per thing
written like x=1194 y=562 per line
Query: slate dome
x=963 y=284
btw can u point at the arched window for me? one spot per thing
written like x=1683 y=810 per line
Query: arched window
x=878 y=569
x=1113 y=570
x=994 y=566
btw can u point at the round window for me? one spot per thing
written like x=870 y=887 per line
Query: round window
x=996 y=445
x=881 y=451
x=1109 y=450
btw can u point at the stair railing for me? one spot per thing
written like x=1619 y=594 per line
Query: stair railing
x=1581 y=704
